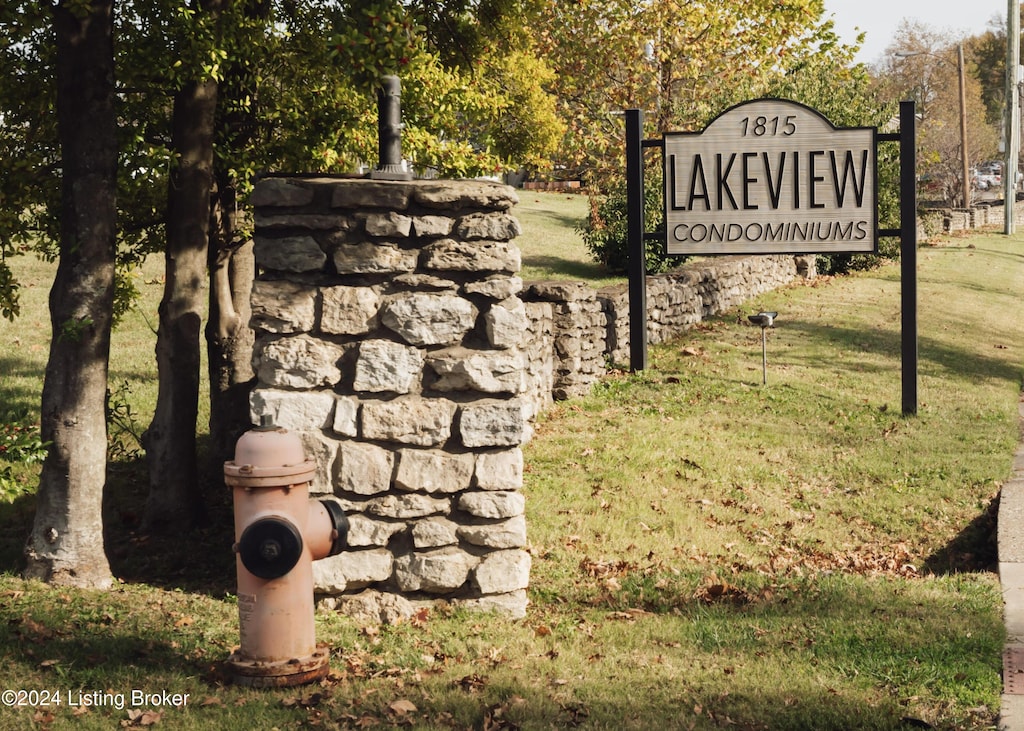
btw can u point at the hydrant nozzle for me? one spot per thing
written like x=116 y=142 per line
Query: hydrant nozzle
x=279 y=532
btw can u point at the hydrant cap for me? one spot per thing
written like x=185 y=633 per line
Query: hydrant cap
x=267 y=454
x=263 y=447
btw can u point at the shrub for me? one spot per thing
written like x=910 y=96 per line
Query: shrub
x=605 y=230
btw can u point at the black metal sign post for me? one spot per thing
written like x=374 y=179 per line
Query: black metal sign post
x=635 y=235
x=907 y=232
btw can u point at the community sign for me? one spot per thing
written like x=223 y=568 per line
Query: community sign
x=771 y=176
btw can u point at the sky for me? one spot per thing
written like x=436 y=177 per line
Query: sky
x=879 y=19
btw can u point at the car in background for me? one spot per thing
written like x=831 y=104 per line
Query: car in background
x=987 y=175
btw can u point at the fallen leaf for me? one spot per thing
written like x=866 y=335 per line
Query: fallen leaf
x=43 y=717
x=403 y=706
x=471 y=683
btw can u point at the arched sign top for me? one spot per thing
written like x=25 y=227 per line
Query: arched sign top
x=771 y=176
x=774 y=105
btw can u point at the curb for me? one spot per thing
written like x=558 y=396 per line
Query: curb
x=1010 y=539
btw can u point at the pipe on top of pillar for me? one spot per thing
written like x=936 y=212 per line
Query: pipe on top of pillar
x=389 y=132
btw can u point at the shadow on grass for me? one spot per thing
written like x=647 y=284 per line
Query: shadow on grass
x=974 y=549
x=559 y=219
x=933 y=354
x=200 y=560
x=567 y=268
x=19 y=400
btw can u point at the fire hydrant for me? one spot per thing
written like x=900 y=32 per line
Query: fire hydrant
x=279 y=532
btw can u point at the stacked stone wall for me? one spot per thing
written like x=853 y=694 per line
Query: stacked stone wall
x=391 y=337
x=592 y=325
x=395 y=337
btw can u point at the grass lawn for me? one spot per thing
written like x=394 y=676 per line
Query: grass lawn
x=551 y=245
x=707 y=552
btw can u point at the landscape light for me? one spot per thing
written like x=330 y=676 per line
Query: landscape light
x=765 y=320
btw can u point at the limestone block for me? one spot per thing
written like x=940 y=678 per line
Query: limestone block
x=311 y=221
x=512 y=605
x=494 y=424
x=499 y=470
x=472 y=256
x=364 y=469
x=280 y=192
x=498 y=287
x=437 y=572
x=352 y=570
x=424 y=283
x=282 y=306
x=560 y=291
x=494 y=226
x=384 y=365
x=373 y=258
x=323 y=452
x=346 y=413
x=421 y=318
x=299 y=362
x=431 y=470
x=407 y=506
x=364 y=531
x=509 y=533
x=458 y=194
x=506 y=322
x=493 y=504
x=434 y=533
x=376 y=607
x=295 y=410
x=408 y=420
x=361 y=194
x=388 y=224
x=432 y=225
x=349 y=310
x=502 y=572
x=490 y=371
x=289 y=253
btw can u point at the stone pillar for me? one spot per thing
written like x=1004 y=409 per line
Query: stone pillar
x=391 y=337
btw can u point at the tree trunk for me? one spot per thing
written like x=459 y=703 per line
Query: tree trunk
x=175 y=500
x=66 y=544
x=229 y=339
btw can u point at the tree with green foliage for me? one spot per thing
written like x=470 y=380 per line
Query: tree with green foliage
x=475 y=97
x=174 y=500
x=687 y=62
x=29 y=180
x=66 y=543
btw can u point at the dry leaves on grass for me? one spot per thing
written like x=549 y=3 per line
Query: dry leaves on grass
x=872 y=559
x=714 y=589
x=137 y=717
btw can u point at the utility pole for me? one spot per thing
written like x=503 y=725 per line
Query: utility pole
x=1012 y=114
x=966 y=174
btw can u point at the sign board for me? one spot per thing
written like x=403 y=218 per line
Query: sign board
x=771 y=176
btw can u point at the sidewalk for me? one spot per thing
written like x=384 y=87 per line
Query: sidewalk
x=1011 y=576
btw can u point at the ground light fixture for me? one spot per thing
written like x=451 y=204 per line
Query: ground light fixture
x=765 y=320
